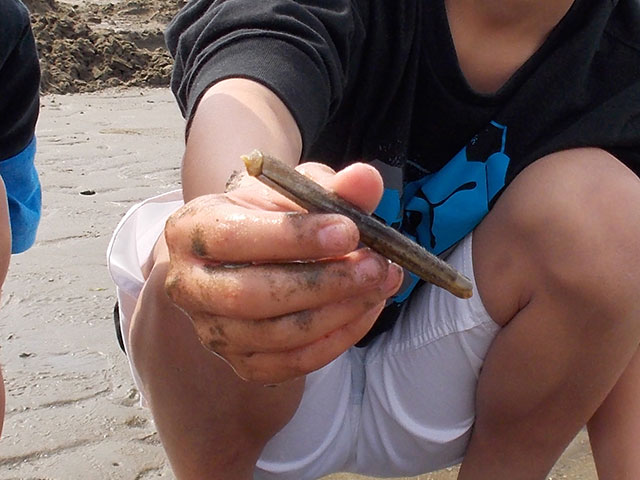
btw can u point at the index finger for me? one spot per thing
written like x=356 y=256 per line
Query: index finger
x=234 y=234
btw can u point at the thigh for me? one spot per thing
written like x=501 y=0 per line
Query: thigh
x=212 y=423
x=557 y=263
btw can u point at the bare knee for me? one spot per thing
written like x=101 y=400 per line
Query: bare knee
x=566 y=228
x=557 y=259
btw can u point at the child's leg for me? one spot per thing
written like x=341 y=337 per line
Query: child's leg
x=614 y=431
x=213 y=425
x=557 y=262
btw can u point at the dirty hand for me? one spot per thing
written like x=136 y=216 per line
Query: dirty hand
x=276 y=292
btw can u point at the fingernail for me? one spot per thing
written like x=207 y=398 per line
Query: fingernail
x=394 y=279
x=335 y=237
x=369 y=270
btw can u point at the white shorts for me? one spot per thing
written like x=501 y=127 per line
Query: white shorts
x=402 y=406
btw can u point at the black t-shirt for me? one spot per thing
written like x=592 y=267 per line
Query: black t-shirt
x=19 y=79
x=379 y=81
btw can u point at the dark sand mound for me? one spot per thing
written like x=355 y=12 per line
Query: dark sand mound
x=90 y=46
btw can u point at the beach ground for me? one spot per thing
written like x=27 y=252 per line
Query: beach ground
x=72 y=409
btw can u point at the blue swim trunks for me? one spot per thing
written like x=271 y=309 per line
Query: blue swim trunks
x=24 y=195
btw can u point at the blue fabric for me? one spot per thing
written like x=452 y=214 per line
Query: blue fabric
x=447 y=205
x=24 y=195
x=439 y=209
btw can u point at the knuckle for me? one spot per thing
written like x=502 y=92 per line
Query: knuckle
x=172 y=222
x=172 y=285
x=267 y=370
x=302 y=321
x=212 y=334
x=172 y=225
x=251 y=375
x=247 y=371
x=302 y=364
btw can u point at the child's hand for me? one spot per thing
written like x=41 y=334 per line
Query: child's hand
x=276 y=292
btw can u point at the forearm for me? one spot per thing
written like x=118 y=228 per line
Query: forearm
x=234 y=117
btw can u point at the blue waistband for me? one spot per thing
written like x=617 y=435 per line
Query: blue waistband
x=24 y=195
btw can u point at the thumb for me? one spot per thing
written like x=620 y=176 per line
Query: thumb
x=359 y=183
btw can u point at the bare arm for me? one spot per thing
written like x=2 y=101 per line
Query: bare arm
x=234 y=117
x=336 y=291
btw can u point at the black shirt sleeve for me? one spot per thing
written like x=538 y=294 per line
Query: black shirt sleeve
x=301 y=50
x=19 y=79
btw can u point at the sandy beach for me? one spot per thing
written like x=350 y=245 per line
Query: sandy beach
x=72 y=410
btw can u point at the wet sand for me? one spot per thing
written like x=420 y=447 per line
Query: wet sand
x=72 y=409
